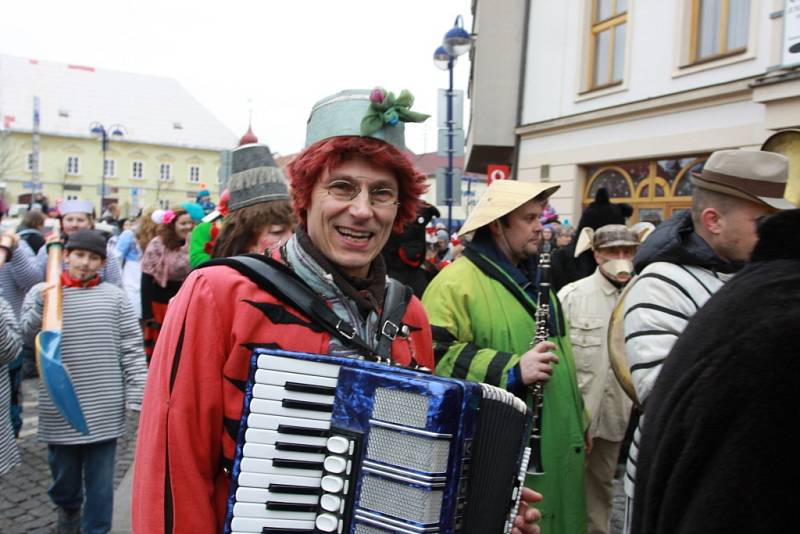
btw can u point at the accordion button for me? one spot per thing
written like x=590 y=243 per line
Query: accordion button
x=332 y=484
x=327 y=522
x=335 y=464
x=330 y=503
x=338 y=444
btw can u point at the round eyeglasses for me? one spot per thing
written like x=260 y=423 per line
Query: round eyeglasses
x=347 y=191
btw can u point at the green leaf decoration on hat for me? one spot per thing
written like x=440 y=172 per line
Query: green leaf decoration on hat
x=387 y=110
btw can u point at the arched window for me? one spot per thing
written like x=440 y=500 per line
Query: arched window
x=655 y=188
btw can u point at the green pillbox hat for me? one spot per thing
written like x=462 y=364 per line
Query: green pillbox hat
x=361 y=112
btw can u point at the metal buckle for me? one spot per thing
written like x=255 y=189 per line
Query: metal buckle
x=349 y=335
x=401 y=331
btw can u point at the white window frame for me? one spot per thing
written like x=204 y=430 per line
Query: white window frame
x=165 y=176
x=110 y=168
x=77 y=165
x=134 y=176
x=194 y=174
x=163 y=203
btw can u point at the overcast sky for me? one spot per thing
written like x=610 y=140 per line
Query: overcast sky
x=283 y=56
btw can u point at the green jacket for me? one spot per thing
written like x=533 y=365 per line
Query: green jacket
x=480 y=331
x=199 y=248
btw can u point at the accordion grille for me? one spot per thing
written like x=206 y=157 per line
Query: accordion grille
x=400 y=407
x=361 y=528
x=408 y=450
x=400 y=500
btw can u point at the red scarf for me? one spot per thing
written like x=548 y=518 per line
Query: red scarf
x=68 y=281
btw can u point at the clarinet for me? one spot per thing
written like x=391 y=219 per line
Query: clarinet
x=542 y=317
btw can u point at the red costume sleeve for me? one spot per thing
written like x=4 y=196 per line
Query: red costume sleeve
x=178 y=451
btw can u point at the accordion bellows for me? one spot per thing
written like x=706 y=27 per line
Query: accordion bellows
x=330 y=444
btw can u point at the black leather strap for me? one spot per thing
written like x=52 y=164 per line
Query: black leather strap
x=279 y=280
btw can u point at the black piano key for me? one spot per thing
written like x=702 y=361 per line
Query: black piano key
x=294 y=490
x=297 y=464
x=299 y=447
x=307 y=405
x=291 y=507
x=310 y=388
x=303 y=431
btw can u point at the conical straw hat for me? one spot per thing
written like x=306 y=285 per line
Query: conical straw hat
x=503 y=197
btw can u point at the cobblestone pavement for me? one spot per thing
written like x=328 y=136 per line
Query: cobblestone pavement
x=26 y=508
x=24 y=504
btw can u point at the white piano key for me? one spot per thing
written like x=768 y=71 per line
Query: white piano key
x=260 y=480
x=246 y=509
x=265 y=466
x=269 y=407
x=330 y=503
x=332 y=484
x=253 y=524
x=258 y=495
x=270 y=437
x=327 y=522
x=257 y=450
x=280 y=378
x=305 y=367
x=264 y=391
x=272 y=422
x=335 y=464
x=338 y=444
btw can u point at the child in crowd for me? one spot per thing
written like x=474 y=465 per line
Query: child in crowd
x=101 y=347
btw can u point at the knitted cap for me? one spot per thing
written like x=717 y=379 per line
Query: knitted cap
x=256 y=178
x=91 y=240
x=252 y=186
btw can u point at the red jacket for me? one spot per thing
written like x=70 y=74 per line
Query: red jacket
x=194 y=394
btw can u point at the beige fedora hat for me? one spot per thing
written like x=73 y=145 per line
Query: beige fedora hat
x=503 y=197
x=749 y=174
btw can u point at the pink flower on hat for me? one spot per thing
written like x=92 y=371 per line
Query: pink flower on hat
x=168 y=217
x=377 y=95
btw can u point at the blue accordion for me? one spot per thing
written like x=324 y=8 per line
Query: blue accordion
x=329 y=444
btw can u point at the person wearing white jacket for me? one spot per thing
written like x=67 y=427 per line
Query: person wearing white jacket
x=688 y=258
x=587 y=303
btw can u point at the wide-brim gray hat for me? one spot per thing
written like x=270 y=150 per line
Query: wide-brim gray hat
x=749 y=174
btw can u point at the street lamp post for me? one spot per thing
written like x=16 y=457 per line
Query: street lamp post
x=456 y=42
x=104 y=134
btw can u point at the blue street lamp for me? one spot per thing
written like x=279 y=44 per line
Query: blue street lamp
x=456 y=42
x=116 y=131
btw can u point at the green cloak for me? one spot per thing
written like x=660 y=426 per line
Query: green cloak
x=480 y=331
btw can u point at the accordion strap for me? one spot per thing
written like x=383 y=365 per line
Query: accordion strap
x=279 y=280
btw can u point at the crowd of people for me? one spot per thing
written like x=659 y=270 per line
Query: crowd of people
x=161 y=312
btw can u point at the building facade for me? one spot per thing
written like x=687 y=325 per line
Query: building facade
x=629 y=95
x=162 y=145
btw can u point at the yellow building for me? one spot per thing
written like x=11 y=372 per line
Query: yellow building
x=162 y=145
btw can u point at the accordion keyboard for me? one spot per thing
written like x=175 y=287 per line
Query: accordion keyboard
x=335 y=445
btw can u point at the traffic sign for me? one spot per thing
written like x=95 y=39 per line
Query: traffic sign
x=497 y=172
x=37 y=186
x=458 y=143
x=441 y=186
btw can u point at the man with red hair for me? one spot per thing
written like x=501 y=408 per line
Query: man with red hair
x=350 y=187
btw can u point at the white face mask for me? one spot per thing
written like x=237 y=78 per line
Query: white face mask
x=619 y=268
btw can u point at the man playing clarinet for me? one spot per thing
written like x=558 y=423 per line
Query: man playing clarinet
x=482 y=310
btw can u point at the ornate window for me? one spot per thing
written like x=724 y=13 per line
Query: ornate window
x=655 y=188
